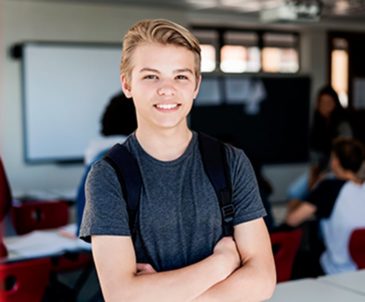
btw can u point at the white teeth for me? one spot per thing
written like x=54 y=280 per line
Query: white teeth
x=166 y=106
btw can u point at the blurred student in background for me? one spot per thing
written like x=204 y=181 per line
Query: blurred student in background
x=117 y=122
x=329 y=122
x=339 y=205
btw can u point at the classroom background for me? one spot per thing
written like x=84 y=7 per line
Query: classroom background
x=264 y=62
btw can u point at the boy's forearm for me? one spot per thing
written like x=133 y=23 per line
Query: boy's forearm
x=255 y=279
x=183 y=284
x=249 y=283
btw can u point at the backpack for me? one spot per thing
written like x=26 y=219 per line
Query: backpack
x=215 y=165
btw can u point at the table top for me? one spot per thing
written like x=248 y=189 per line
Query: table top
x=353 y=281
x=313 y=290
x=42 y=244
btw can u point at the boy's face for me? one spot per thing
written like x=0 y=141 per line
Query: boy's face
x=162 y=84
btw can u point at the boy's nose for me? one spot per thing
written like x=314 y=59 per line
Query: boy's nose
x=166 y=89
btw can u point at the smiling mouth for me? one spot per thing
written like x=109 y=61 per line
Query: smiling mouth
x=167 y=107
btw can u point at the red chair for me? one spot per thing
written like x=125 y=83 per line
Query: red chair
x=5 y=204
x=3 y=249
x=33 y=215
x=24 y=281
x=357 y=247
x=5 y=193
x=37 y=215
x=285 y=247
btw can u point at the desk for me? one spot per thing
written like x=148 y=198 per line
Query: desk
x=353 y=281
x=312 y=290
x=41 y=244
x=55 y=245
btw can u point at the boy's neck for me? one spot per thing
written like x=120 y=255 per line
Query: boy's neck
x=165 y=145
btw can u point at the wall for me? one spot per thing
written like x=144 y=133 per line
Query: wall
x=40 y=20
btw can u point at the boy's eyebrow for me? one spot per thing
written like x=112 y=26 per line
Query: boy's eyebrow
x=147 y=69
x=184 y=70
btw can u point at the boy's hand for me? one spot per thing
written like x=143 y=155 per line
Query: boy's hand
x=144 y=268
x=227 y=248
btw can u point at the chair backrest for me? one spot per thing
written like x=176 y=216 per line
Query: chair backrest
x=5 y=204
x=24 y=281
x=5 y=193
x=3 y=249
x=38 y=215
x=285 y=247
x=357 y=247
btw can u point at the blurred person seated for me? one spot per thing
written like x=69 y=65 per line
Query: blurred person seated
x=330 y=121
x=339 y=205
x=117 y=122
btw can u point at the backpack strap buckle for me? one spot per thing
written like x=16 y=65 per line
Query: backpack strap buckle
x=227 y=207
x=228 y=213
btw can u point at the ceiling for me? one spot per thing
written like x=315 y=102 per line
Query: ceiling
x=332 y=10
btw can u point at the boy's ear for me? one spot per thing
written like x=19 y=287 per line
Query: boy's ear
x=125 y=86
x=198 y=82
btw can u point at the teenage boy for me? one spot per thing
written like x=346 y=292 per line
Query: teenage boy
x=177 y=252
x=339 y=204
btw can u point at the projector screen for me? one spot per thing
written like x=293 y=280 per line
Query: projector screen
x=65 y=89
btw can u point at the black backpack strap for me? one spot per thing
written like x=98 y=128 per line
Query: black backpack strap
x=129 y=176
x=216 y=167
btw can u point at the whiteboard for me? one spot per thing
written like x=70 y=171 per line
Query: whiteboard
x=65 y=89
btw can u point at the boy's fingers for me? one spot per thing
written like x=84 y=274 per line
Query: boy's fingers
x=145 y=268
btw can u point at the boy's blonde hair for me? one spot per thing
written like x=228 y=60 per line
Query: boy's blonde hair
x=157 y=31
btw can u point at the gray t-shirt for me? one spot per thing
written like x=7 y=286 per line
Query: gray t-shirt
x=179 y=219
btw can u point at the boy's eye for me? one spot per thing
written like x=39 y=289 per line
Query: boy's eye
x=181 y=77
x=150 y=77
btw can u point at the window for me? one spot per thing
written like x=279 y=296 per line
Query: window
x=209 y=44
x=280 y=53
x=340 y=69
x=251 y=51
x=240 y=52
x=207 y=58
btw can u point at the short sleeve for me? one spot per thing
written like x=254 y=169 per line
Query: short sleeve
x=246 y=197
x=105 y=210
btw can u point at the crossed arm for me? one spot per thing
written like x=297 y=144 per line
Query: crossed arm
x=240 y=270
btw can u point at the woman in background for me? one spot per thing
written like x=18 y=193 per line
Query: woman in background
x=329 y=122
x=117 y=122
